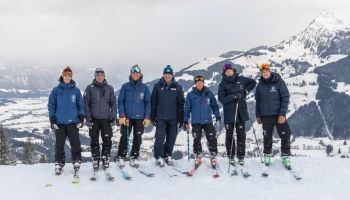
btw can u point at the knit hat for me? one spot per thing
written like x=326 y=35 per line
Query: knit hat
x=227 y=66
x=168 y=70
x=67 y=72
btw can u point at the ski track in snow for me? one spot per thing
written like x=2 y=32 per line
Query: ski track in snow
x=323 y=178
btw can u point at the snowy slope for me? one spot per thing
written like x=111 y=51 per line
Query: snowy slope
x=28 y=182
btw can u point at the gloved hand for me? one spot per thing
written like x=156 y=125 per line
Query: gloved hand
x=237 y=96
x=112 y=122
x=258 y=120
x=89 y=124
x=146 y=122
x=154 y=121
x=53 y=124
x=81 y=121
x=186 y=126
x=281 y=119
x=180 y=124
x=122 y=121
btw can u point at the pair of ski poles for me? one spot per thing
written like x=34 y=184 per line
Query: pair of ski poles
x=235 y=126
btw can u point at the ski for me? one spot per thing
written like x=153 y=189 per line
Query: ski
x=234 y=171
x=108 y=175
x=76 y=179
x=94 y=176
x=214 y=169
x=243 y=171
x=144 y=170
x=294 y=173
x=194 y=169
x=124 y=172
x=179 y=169
x=266 y=170
x=169 y=170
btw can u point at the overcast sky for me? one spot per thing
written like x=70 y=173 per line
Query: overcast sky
x=152 y=33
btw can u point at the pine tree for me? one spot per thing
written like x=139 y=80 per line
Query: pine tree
x=29 y=152
x=42 y=159
x=339 y=151
x=329 y=149
x=345 y=143
x=6 y=156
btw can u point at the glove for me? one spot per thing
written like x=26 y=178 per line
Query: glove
x=186 y=126
x=258 y=120
x=89 y=124
x=281 y=119
x=112 y=122
x=237 y=96
x=53 y=124
x=122 y=121
x=180 y=124
x=154 y=121
x=81 y=121
x=218 y=120
x=146 y=122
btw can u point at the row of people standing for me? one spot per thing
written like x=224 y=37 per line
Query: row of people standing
x=168 y=111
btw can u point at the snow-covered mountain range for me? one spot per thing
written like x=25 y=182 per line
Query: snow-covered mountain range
x=314 y=63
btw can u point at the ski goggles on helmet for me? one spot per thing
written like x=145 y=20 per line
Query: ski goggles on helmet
x=99 y=71
x=198 y=78
x=264 y=66
x=135 y=69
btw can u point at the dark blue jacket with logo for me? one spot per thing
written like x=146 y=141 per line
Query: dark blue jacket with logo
x=200 y=105
x=272 y=97
x=228 y=89
x=134 y=100
x=168 y=101
x=66 y=103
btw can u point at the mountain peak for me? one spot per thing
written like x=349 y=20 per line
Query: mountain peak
x=327 y=21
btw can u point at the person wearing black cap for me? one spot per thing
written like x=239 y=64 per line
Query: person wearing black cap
x=66 y=112
x=167 y=115
x=134 y=106
x=101 y=113
x=272 y=99
x=199 y=106
x=233 y=90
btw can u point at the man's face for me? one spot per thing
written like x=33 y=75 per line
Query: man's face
x=229 y=72
x=200 y=85
x=135 y=76
x=168 y=77
x=266 y=73
x=100 y=77
x=67 y=78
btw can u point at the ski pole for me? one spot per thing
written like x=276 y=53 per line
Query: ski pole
x=256 y=140
x=188 y=145
x=127 y=138
x=234 y=125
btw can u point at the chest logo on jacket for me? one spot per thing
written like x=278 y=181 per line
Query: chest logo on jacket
x=73 y=98
x=142 y=95
x=273 y=89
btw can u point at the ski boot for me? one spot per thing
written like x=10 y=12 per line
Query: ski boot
x=267 y=159
x=241 y=161
x=198 y=160
x=105 y=162
x=58 y=168
x=286 y=162
x=213 y=161
x=160 y=162
x=134 y=162
x=120 y=162
x=95 y=164
x=169 y=161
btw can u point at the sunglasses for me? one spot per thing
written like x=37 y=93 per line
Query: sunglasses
x=264 y=66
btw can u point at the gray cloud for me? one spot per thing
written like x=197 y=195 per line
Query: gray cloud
x=152 y=33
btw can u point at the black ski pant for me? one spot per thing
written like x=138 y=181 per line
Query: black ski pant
x=100 y=126
x=210 y=134
x=137 y=126
x=165 y=138
x=283 y=130
x=72 y=132
x=230 y=140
